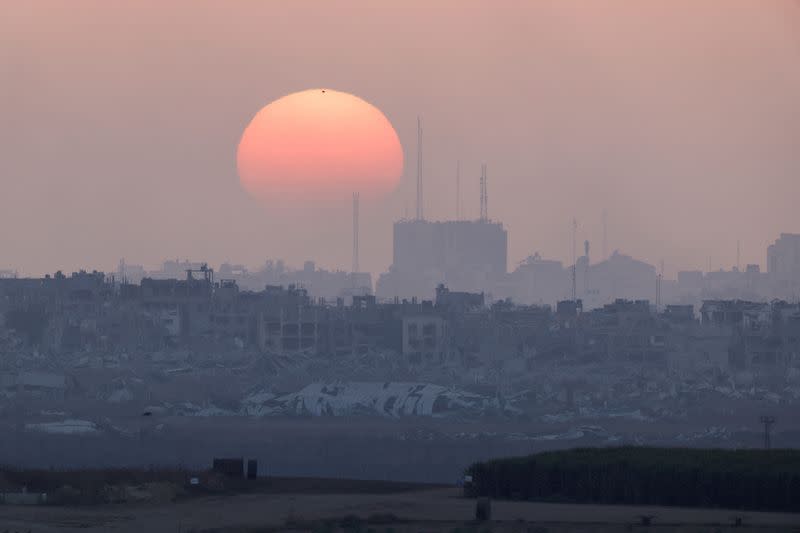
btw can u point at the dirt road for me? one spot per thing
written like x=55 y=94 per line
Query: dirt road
x=439 y=509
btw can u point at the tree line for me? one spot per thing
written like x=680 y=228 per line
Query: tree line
x=735 y=479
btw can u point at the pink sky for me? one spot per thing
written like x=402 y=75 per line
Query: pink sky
x=119 y=123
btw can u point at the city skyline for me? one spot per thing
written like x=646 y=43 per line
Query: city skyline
x=686 y=144
x=405 y=265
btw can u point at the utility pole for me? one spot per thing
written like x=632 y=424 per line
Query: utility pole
x=768 y=422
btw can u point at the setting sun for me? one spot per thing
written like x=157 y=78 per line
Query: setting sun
x=319 y=143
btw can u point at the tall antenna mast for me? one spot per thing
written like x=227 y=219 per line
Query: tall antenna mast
x=586 y=268
x=420 y=212
x=484 y=195
x=738 y=256
x=480 y=211
x=355 y=232
x=658 y=291
x=574 y=262
x=605 y=234
x=458 y=190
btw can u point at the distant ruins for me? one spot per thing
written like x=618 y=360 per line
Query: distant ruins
x=89 y=311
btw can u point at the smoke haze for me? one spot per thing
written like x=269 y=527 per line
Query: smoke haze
x=119 y=124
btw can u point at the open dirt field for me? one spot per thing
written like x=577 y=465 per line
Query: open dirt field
x=309 y=508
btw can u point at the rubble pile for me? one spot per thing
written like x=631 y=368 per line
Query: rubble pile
x=105 y=355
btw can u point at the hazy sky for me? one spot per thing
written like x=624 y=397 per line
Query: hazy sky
x=119 y=123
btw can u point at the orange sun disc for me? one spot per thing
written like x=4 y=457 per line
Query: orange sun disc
x=319 y=143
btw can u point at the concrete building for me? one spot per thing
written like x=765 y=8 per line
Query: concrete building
x=763 y=336
x=187 y=301
x=458 y=302
x=619 y=277
x=288 y=321
x=783 y=256
x=464 y=255
x=424 y=338
x=536 y=281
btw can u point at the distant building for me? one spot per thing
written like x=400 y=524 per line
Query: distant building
x=464 y=255
x=127 y=273
x=783 y=257
x=288 y=321
x=173 y=269
x=679 y=313
x=460 y=302
x=766 y=336
x=536 y=281
x=180 y=306
x=729 y=313
x=424 y=338
x=622 y=276
x=319 y=283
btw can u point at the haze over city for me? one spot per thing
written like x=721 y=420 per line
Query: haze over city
x=399 y=266
x=120 y=125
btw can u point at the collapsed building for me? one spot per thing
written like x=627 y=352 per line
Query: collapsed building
x=762 y=335
x=90 y=311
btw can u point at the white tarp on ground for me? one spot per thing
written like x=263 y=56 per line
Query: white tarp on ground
x=390 y=399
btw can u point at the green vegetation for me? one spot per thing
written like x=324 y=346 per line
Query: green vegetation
x=736 y=479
